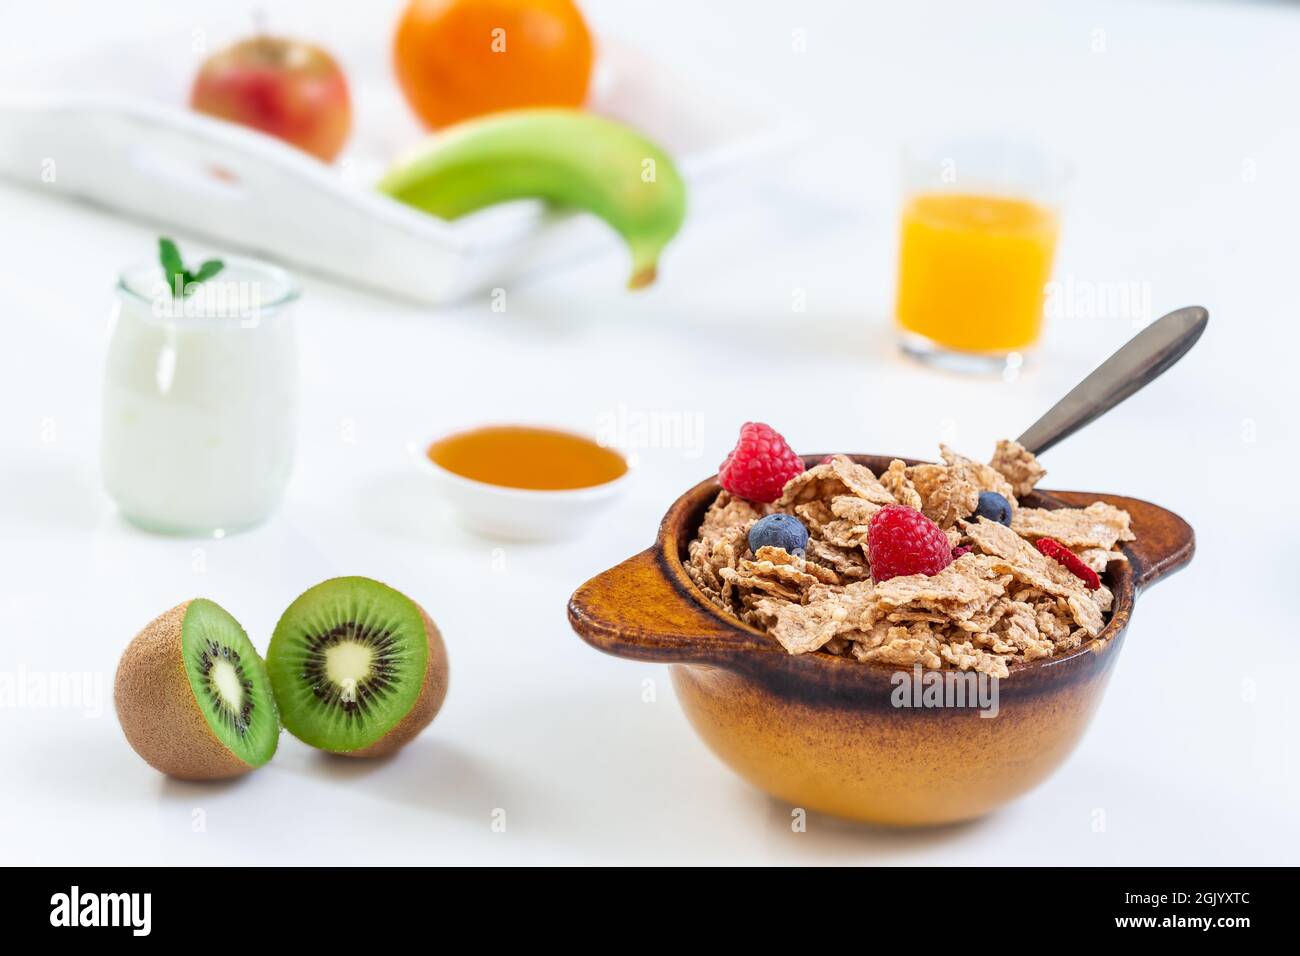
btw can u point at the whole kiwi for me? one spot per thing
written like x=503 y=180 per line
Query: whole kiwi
x=357 y=667
x=194 y=698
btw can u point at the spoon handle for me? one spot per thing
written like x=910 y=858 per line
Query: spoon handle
x=1144 y=358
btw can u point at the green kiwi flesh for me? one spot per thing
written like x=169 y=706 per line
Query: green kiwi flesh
x=229 y=682
x=192 y=696
x=348 y=662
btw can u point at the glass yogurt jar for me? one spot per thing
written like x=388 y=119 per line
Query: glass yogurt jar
x=200 y=399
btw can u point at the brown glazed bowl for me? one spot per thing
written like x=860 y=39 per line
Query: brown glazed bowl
x=821 y=732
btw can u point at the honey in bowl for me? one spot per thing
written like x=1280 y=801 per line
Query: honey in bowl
x=518 y=456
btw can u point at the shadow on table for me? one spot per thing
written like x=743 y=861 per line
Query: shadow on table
x=827 y=838
x=427 y=774
x=603 y=749
x=184 y=791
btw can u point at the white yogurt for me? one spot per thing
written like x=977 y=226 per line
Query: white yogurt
x=200 y=400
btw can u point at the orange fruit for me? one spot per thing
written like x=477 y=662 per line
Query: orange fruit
x=461 y=58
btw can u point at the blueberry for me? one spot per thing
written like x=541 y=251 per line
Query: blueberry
x=779 y=531
x=994 y=507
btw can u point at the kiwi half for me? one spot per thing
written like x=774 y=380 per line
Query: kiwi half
x=357 y=667
x=194 y=698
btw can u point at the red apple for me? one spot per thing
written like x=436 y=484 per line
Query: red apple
x=293 y=91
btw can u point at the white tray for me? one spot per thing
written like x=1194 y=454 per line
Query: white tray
x=100 y=129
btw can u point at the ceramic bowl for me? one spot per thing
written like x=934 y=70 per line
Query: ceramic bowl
x=822 y=732
x=521 y=514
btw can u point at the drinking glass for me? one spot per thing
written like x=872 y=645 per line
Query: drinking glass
x=978 y=233
x=200 y=399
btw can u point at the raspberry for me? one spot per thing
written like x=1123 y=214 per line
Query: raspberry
x=958 y=552
x=901 y=540
x=760 y=464
x=1051 y=548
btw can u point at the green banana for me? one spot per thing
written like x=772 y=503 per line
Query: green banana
x=566 y=157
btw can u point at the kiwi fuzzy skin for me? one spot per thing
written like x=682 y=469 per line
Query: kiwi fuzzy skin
x=426 y=706
x=158 y=710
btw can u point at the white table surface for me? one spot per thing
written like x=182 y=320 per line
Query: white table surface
x=1176 y=116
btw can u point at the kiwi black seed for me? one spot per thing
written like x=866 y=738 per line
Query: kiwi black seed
x=194 y=698
x=357 y=668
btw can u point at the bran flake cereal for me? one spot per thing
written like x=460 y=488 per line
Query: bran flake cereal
x=1000 y=605
x=1017 y=465
x=1099 y=526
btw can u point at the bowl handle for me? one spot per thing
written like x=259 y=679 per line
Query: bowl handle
x=637 y=610
x=1164 y=544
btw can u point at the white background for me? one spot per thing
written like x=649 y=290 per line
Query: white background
x=1180 y=120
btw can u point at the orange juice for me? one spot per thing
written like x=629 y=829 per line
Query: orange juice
x=972 y=270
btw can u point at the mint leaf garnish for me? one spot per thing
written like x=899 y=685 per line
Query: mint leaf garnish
x=208 y=270
x=170 y=257
x=174 y=268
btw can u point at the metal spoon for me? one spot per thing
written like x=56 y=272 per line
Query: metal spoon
x=1144 y=358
